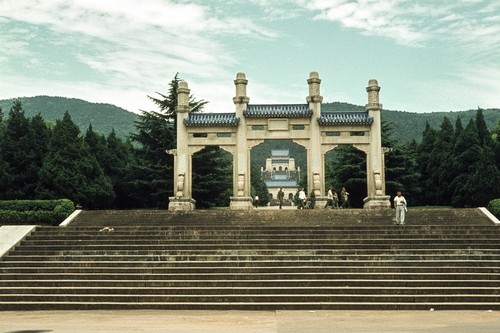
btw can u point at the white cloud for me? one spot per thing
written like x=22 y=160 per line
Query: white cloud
x=132 y=45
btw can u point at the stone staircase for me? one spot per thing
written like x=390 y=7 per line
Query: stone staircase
x=258 y=260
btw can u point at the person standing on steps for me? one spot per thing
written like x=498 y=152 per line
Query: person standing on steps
x=344 y=197
x=312 y=200
x=329 y=194
x=281 y=196
x=256 y=201
x=302 y=199
x=400 y=206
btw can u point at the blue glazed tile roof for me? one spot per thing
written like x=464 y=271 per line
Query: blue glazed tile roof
x=281 y=183
x=212 y=119
x=345 y=118
x=278 y=111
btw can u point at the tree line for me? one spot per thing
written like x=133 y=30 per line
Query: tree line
x=451 y=166
x=44 y=160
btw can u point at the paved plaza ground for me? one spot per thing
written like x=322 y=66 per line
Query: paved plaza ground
x=248 y=321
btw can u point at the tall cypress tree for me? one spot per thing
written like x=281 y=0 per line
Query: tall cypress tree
x=442 y=174
x=467 y=154
x=426 y=169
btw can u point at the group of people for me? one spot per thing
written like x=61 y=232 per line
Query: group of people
x=337 y=201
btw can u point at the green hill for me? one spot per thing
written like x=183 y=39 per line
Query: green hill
x=103 y=117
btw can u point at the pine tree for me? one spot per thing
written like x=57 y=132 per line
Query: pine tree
x=5 y=179
x=120 y=160
x=71 y=171
x=156 y=133
x=350 y=172
x=17 y=151
x=212 y=179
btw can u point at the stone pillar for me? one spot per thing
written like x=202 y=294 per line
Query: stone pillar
x=241 y=198
x=375 y=165
x=182 y=199
x=315 y=176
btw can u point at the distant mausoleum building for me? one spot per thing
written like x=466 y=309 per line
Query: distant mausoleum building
x=280 y=172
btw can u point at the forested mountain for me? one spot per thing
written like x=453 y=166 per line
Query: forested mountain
x=105 y=117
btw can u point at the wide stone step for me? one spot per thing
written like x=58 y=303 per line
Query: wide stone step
x=376 y=290
x=250 y=275
x=238 y=256
x=256 y=246
x=269 y=306
x=287 y=283
x=147 y=262
x=247 y=270
x=261 y=239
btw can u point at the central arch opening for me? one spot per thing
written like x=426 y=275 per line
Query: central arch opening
x=212 y=177
x=278 y=164
x=345 y=166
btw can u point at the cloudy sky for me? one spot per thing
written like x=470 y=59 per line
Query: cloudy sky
x=427 y=55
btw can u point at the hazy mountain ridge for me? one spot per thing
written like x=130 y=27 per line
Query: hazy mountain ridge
x=104 y=117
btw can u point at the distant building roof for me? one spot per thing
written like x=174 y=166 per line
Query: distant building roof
x=280 y=152
x=278 y=111
x=211 y=119
x=345 y=118
x=281 y=183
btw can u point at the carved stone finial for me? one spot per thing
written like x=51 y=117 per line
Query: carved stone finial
x=241 y=89
x=183 y=96
x=373 y=95
x=314 y=88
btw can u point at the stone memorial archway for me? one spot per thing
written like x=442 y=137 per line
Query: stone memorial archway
x=318 y=132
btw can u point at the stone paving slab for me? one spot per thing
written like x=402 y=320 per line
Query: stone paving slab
x=249 y=321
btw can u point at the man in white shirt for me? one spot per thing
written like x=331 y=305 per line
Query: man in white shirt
x=400 y=205
x=302 y=198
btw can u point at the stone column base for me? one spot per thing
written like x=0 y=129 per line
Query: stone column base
x=320 y=202
x=377 y=202
x=241 y=203
x=181 y=203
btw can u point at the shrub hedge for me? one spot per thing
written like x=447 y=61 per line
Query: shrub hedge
x=494 y=207
x=50 y=212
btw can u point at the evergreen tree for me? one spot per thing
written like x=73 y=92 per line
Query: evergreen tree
x=17 y=151
x=71 y=171
x=259 y=187
x=5 y=179
x=156 y=132
x=117 y=167
x=40 y=137
x=212 y=179
x=467 y=154
x=485 y=139
x=496 y=139
x=349 y=171
x=442 y=174
x=400 y=166
x=425 y=167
